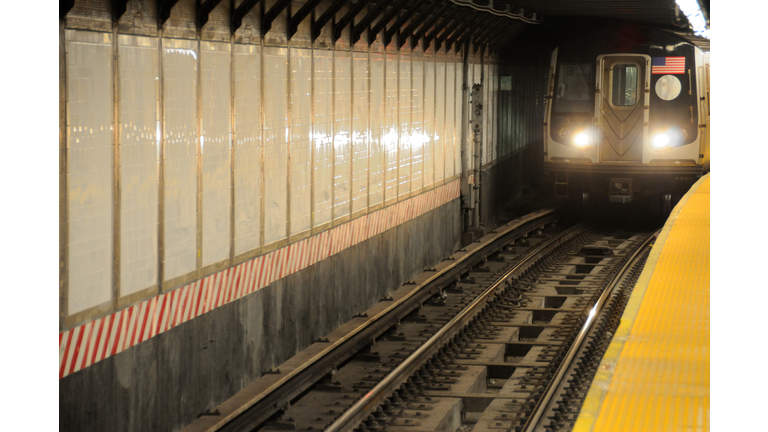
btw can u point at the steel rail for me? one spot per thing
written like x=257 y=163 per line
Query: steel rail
x=368 y=403
x=543 y=403
x=241 y=413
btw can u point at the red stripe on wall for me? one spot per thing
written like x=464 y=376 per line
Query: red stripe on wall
x=93 y=350
x=163 y=313
x=122 y=329
x=76 y=350
x=149 y=312
x=94 y=341
x=109 y=340
x=83 y=348
x=66 y=351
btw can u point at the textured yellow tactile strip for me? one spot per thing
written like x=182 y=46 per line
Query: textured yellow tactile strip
x=655 y=374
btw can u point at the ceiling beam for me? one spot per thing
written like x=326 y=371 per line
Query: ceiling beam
x=118 y=9
x=271 y=14
x=359 y=28
x=317 y=26
x=204 y=10
x=384 y=20
x=298 y=17
x=395 y=28
x=347 y=18
x=241 y=11
x=164 y=8
x=427 y=25
x=64 y=7
x=438 y=32
x=450 y=31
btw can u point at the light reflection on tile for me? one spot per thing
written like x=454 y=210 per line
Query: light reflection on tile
x=301 y=140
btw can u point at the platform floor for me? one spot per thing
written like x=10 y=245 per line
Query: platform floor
x=655 y=374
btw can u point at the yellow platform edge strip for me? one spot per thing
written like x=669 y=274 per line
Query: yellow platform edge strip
x=600 y=384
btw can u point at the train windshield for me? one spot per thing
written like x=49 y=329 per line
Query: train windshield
x=573 y=89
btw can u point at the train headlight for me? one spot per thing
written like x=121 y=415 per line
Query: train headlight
x=660 y=141
x=581 y=140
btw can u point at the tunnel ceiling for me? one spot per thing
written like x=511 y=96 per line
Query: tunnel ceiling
x=446 y=23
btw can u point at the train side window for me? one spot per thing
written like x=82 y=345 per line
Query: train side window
x=624 y=85
x=573 y=89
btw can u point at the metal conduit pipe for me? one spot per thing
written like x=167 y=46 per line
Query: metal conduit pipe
x=466 y=200
x=478 y=105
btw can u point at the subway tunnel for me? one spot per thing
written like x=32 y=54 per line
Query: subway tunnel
x=239 y=178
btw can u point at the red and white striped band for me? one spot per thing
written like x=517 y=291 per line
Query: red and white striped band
x=96 y=340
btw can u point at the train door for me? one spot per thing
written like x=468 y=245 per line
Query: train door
x=622 y=106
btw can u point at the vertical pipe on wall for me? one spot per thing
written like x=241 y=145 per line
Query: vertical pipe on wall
x=478 y=138
x=465 y=192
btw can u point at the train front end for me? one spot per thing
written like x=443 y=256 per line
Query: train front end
x=627 y=124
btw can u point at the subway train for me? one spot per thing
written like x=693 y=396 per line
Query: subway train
x=627 y=117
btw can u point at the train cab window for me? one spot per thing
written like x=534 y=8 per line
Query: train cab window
x=573 y=89
x=624 y=85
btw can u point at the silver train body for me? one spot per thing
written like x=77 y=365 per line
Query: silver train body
x=627 y=117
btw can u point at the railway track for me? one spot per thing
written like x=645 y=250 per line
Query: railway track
x=481 y=344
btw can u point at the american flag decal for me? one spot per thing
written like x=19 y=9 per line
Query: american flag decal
x=667 y=65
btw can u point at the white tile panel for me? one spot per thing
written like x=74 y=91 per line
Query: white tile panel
x=360 y=132
x=459 y=123
x=247 y=147
x=89 y=168
x=390 y=137
x=275 y=143
x=322 y=136
x=404 y=118
x=450 y=119
x=376 y=125
x=342 y=81
x=180 y=165
x=215 y=148
x=440 y=129
x=429 y=121
x=139 y=150
x=300 y=194
x=417 y=135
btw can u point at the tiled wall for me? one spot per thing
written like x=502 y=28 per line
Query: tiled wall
x=139 y=124
x=225 y=151
x=89 y=168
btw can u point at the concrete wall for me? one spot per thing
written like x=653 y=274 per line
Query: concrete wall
x=165 y=382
